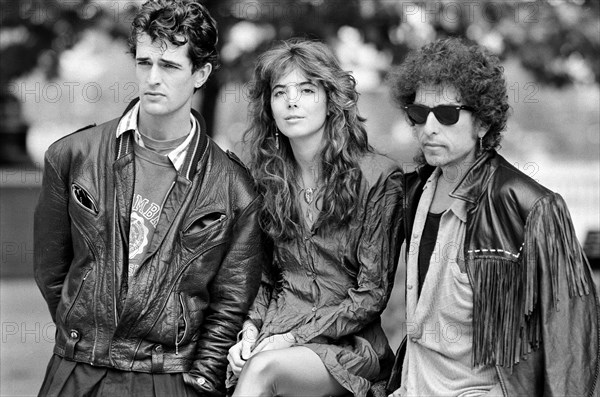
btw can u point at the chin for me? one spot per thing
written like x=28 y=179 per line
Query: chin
x=433 y=160
x=153 y=108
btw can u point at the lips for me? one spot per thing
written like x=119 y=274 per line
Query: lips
x=432 y=145
x=291 y=118
x=151 y=93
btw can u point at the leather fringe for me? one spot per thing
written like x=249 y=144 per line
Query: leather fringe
x=506 y=314
x=550 y=241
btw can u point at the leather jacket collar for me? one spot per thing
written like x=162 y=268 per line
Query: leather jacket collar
x=472 y=184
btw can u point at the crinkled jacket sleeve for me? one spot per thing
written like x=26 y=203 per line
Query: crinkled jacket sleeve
x=259 y=307
x=231 y=295
x=53 y=248
x=377 y=253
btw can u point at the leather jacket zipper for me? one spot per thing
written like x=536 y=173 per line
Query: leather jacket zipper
x=179 y=273
x=185 y=326
x=501 y=379
x=68 y=313
x=115 y=214
x=94 y=256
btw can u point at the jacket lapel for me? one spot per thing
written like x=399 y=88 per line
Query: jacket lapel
x=471 y=186
x=124 y=177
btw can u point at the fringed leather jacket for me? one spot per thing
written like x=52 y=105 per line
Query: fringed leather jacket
x=187 y=300
x=536 y=315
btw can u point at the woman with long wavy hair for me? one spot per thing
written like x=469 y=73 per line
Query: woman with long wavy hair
x=332 y=208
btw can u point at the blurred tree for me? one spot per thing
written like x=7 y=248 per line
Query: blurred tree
x=34 y=34
x=557 y=40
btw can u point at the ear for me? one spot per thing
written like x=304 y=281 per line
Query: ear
x=481 y=128
x=201 y=75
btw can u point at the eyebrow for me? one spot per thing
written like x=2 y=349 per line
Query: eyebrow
x=301 y=83
x=161 y=60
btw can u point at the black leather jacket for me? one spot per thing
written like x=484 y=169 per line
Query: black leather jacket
x=192 y=290
x=536 y=315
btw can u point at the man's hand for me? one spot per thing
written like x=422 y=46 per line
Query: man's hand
x=275 y=342
x=241 y=351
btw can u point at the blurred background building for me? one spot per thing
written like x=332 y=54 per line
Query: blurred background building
x=65 y=64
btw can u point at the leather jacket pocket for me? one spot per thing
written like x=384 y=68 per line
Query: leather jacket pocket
x=84 y=199
x=204 y=223
x=198 y=229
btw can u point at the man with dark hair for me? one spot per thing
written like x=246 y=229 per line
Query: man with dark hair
x=147 y=243
x=499 y=294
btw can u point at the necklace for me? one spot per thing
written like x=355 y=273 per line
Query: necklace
x=309 y=194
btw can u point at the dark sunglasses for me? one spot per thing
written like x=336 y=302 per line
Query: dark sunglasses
x=446 y=114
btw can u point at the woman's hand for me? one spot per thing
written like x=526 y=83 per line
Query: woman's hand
x=275 y=342
x=240 y=352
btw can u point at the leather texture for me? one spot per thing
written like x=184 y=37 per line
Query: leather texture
x=191 y=293
x=524 y=233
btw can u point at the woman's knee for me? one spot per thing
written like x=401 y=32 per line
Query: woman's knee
x=262 y=366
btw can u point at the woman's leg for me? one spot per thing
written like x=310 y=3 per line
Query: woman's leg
x=287 y=372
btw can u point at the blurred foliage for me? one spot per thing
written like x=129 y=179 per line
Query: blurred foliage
x=34 y=33
x=558 y=41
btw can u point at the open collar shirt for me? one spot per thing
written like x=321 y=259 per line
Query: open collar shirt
x=129 y=122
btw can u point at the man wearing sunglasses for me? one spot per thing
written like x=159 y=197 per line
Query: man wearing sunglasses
x=499 y=294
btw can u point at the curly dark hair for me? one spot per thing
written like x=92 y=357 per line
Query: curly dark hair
x=178 y=22
x=344 y=141
x=475 y=73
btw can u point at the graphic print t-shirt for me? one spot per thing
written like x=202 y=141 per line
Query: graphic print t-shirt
x=154 y=175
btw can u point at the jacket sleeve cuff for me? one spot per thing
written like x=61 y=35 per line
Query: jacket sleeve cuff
x=201 y=385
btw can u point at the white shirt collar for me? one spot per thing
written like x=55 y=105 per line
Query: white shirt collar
x=130 y=122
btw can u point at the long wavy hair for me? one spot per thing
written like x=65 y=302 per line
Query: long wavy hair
x=475 y=73
x=275 y=170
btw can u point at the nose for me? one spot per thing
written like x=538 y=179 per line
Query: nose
x=154 y=76
x=432 y=125
x=292 y=95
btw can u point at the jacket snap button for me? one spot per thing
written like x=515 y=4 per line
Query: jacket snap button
x=74 y=334
x=158 y=348
x=201 y=381
x=314 y=309
x=409 y=286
